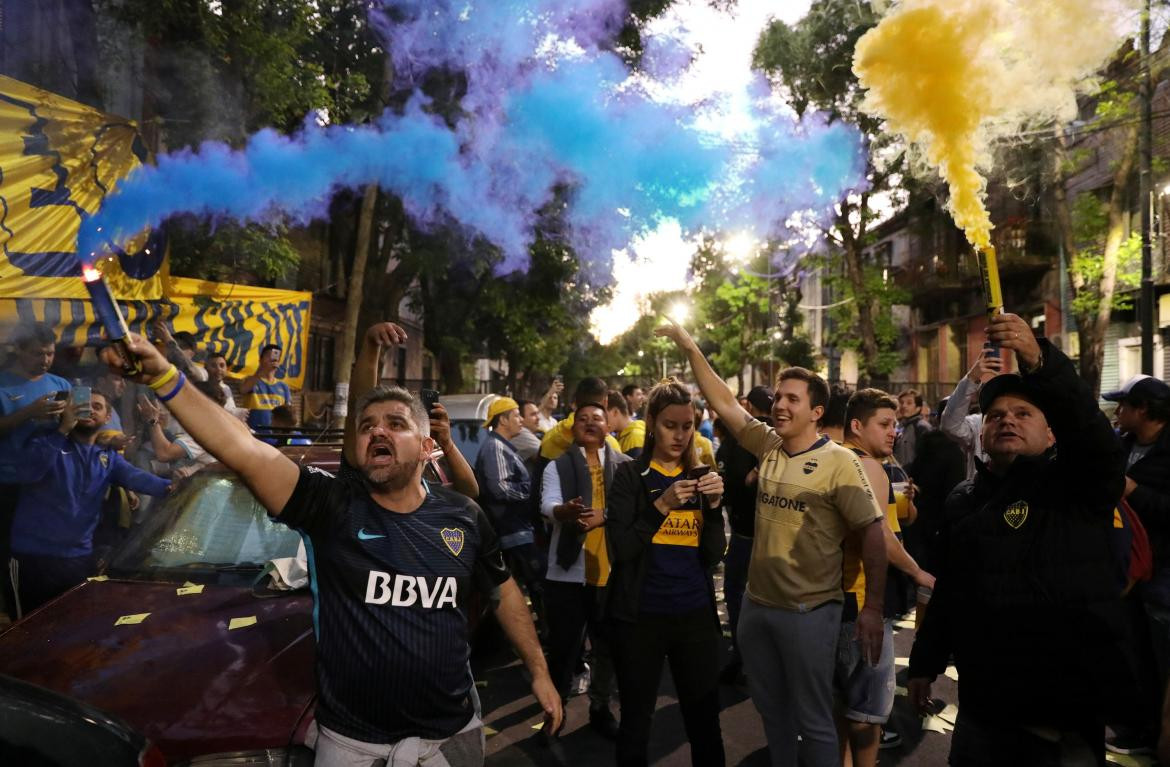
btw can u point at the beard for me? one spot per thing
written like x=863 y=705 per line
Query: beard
x=85 y=431
x=390 y=477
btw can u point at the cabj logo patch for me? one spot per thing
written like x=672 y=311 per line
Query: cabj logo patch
x=809 y=467
x=1016 y=514
x=104 y=459
x=453 y=537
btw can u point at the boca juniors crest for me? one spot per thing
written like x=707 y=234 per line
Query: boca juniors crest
x=453 y=537
x=1016 y=514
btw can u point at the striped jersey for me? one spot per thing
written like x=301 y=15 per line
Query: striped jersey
x=391 y=593
x=265 y=396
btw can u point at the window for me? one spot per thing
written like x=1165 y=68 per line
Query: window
x=320 y=365
x=400 y=366
x=1129 y=358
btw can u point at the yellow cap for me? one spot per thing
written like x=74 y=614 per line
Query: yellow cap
x=502 y=405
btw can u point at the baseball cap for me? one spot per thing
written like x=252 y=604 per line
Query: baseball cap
x=1142 y=387
x=499 y=405
x=1015 y=385
x=761 y=398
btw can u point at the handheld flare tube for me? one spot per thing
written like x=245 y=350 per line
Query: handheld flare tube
x=989 y=268
x=110 y=316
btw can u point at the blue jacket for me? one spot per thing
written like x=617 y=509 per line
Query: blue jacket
x=505 y=490
x=64 y=483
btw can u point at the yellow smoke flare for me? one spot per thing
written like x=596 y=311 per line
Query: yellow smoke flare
x=950 y=77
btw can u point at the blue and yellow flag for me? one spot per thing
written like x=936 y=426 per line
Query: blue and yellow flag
x=58 y=161
x=233 y=320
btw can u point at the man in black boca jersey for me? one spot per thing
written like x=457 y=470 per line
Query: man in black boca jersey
x=393 y=561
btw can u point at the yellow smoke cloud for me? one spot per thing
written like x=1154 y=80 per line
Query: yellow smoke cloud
x=951 y=77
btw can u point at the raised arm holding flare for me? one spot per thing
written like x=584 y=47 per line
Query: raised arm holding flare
x=419 y=550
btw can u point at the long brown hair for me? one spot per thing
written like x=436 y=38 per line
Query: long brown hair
x=664 y=394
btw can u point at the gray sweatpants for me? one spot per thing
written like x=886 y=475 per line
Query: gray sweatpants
x=788 y=658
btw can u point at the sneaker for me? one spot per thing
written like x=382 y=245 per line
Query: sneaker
x=890 y=739
x=602 y=721
x=580 y=683
x=1129 y=744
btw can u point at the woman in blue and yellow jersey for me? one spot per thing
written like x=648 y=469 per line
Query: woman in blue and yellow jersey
x=665 y=532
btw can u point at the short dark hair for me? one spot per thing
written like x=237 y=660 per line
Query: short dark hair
x=185 y=340
x=917 y=395
x=215 y=393
x=213 y=355
x=590 y=391
x=1156 y=409
x=418 y=414
x=31 y=334
x=269 y=347
x=818 y=390
x=630 y=388
x=520 y=403
x=866 y=402
x=283 y=413
x=616 y=400
x=834 y=415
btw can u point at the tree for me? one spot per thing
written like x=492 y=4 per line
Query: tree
x=810 y=61
x=1092 y=231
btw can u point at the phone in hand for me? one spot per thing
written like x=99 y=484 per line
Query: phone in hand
x=699 y=471
x=990 y=349
x=430 y=398
x=82 y=401
x=61 y=395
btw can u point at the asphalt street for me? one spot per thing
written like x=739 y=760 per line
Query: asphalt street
x=512 y=718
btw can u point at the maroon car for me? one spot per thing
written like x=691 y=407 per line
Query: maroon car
x=181 y=638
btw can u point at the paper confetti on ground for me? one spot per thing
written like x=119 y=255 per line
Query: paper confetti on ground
x=185 y=590
x=936 y=724
x=129 y=620
x=239 y=623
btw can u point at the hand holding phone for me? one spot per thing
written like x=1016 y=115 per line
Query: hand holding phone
x=429 y=398
x=82 y=398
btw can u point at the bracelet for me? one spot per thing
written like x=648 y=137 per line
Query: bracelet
x=178 y=387
x=164 y=379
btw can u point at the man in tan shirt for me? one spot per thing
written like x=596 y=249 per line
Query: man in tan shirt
x=812 y=494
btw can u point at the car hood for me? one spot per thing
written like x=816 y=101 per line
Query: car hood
x=181 y=676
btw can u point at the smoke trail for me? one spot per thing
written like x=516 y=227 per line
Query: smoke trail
x=547 y=104
x=952 y=77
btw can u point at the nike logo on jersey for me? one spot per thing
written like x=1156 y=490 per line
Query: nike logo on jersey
x=409 y=590
x=364 y=536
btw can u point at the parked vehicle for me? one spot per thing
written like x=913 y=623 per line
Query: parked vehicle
x=177 y=636
x=42 y=728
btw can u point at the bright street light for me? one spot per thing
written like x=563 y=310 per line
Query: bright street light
x=740 y=247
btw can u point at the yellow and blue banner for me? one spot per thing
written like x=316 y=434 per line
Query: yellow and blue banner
x=58 y=161
x=234 y=320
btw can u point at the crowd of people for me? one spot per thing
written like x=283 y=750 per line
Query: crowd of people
x=1027 y=532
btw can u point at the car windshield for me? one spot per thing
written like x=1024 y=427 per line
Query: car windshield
x=212 y=522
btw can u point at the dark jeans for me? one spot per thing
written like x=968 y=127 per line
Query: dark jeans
x=527 y=565
x=735 y=570
x=690 y=643
x=39 y=579
x=976 y=743
x=574 y=611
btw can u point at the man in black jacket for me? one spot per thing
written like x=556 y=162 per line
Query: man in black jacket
x=1026 y=599
x=1143 y=408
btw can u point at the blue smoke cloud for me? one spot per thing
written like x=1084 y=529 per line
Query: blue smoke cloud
x=546 y=104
